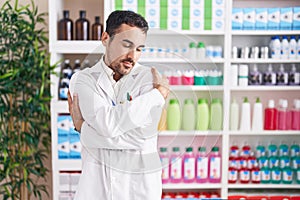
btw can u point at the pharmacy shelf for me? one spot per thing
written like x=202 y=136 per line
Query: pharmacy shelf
x=77 y=47
x=265 y=32
x=183 y=60
x=265 y=88
x=160 y=32
x=266 y=133
x=264 y=186
x=265 y=61
x=69 y=164
x=196 y=88
x=60 y=106
x=190 y=133
x=180 y=186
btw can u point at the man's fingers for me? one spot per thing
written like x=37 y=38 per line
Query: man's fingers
x=69 y=101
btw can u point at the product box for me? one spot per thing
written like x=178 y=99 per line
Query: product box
x=130 y=3
x=152 y=3
x=218 y=13
x=75 y=147
x=74 y=180
x=218 y=25
x=237 y=18
x=197 y=3
x=63 y=125
x=286 y=18
x=218 y=3
x=196 y=25
x=71 y=126
x=175 y=3
x=64 y=182
x=273 y=18
x=174 y=18
x=196 y=18
x=261 y=16
x=296 y=18
x=249 y=19
x=63 y=147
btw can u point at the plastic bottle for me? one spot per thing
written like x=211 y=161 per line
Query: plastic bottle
x=292 y=47
x=67 y=70
x=284 y=160
x=283 y=149
x=193 y=50
x=232 y=173
x=263 y=160
x=64 y=88
x=76 y=67
x=173 y=115
x=201 y=50
x=282 y=114
x=273 y=158
x=260 y=150
x=251 y=161
x=216 y=114
x=276 y=175
x=276 y=48
x=82 y=27
x=297 y=170
x=189 y=166
x=295 y=149
x=298 y=48
x=270 y=116
x=257 y=119
x=282 y=76
x=296 y=115
x=202 y=166
x=265 y=174
x=244 y=172
x=287 y=174
x=271 y=46
x=285 y=47
x=176 y=78
x=255 y=174
x=162 y=124
x=188 y=115
x=164 y=158
x=243 y=75
x=269 y=77
x=97 y=29
x=294 y=76
x=176 y=166
x=215 y=166
x=234 y=115
x=202 y=115
x=187 y=77
x=255 y=77
x=233 y=164
x=245 y=116
x=65 y=27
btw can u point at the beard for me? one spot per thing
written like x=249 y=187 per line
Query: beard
x=120 y=67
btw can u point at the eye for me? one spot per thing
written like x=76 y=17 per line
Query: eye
x=140 y=49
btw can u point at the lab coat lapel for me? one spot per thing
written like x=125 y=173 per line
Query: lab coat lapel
x=105 y=84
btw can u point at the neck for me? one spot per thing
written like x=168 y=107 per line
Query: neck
x=117 y=76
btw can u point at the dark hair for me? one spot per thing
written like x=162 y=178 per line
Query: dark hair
x=119 y=17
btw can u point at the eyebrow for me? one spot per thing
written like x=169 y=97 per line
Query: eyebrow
x=125 y=40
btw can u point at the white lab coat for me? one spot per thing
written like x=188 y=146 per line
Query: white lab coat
x=119 y=137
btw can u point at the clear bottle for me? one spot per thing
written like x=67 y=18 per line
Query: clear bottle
x=292 y=47
x=245 y=123
x=202 y=115
x=82 y=26
x=282 y=76
x=188 y=115
x=215 y=166
x=202 y=166
x=189 y=165
x=269 y=77
x=282 y=114
x=176 y=166
x=234 y=115
x=216 y=114
x=285 y=46
x=173 y=115
x=97 y=29
x=76 y=67
x=164 y=158
x=257 y=118
x=296 y=115
x=270 y=120
x=294 y=76
x=255 y=77
x=65 y=27
x=201 y=50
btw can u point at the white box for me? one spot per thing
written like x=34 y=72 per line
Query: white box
x=75 y=147
x=130 y=3
x=174 y=18
x=286 y=18
x=63 y=147
x=218 y=13
x=237 y=18
x=261 y=16
x=174 y=24
x=152 y=15
x=196 y=3
x=63 y=125
x=130 y=8
x=196 y=25
x=218 y=25
x=296 y=18
x=74 y=181
x=249 y=19
x=153 y=3
x=64 y=182
x=273 y=18
x=218 y=3
x=175 y=3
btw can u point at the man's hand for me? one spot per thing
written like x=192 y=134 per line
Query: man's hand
x=75 y=111
x=160 y=83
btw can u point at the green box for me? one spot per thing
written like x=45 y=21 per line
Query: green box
x=163 y=24
x=119 y=4
x=163 y=3
x=186 y=3
x=185 y=24
x=142 y=3
x=141 y=10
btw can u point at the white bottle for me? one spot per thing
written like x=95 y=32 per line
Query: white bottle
x=192 y=51
x=276 y=48
x=298 y=48
x=292 y=47
x=257 y=119
x=201 y=50
x=271 y=45
x=285 y=47
x=234 y=75
x=234 y=115
x=282 y=76
x=245 y=124
x=294 y=76
x=243 y=75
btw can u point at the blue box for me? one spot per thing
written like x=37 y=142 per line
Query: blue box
x=75 y=147
x=71 y=126
x=63 y=124
x=286 y=18
x=296 y=18
x=273 y=18
x=237 y=18
x=63 y=147
x=261 y=16
x=249 y=19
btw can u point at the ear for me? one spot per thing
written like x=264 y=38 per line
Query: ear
x=105 y=38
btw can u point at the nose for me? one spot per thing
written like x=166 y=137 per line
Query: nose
x=132 y=54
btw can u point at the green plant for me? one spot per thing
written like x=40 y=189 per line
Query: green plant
x=24 y=101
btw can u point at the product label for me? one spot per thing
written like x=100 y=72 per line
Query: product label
x=63 y=93
x=276 y=175
x=215 y=168
x=233 y=163
x=245 y=175
x=251 y=163
x=287 y=175
x=298 y=175
x=283 y=162
x=176 y=168
x=274 y=162
x=265 y=175
x=189 y=168
x=232 y=176
x=165 y=168
x=202 y=168
x=255 y=175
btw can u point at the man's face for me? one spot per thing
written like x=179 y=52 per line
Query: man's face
x=124 y=48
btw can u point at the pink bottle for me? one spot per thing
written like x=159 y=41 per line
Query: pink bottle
x=296 y=115
x=188 y=166
x=188 y=78
x=175 y=78
x=176 y=166
x=214 y=166
x=270 y=116
x=282 y=114
x=164 y=158
x=202 y=166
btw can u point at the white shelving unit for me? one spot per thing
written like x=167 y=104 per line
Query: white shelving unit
x=223 y=138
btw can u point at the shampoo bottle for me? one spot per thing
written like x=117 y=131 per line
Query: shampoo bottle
x=270 y=116
x=188 y=115
x=245 y=116
x=234 y=115
x=257 y=119
x=202 y=115
x=173 y=115
x=216 y=116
